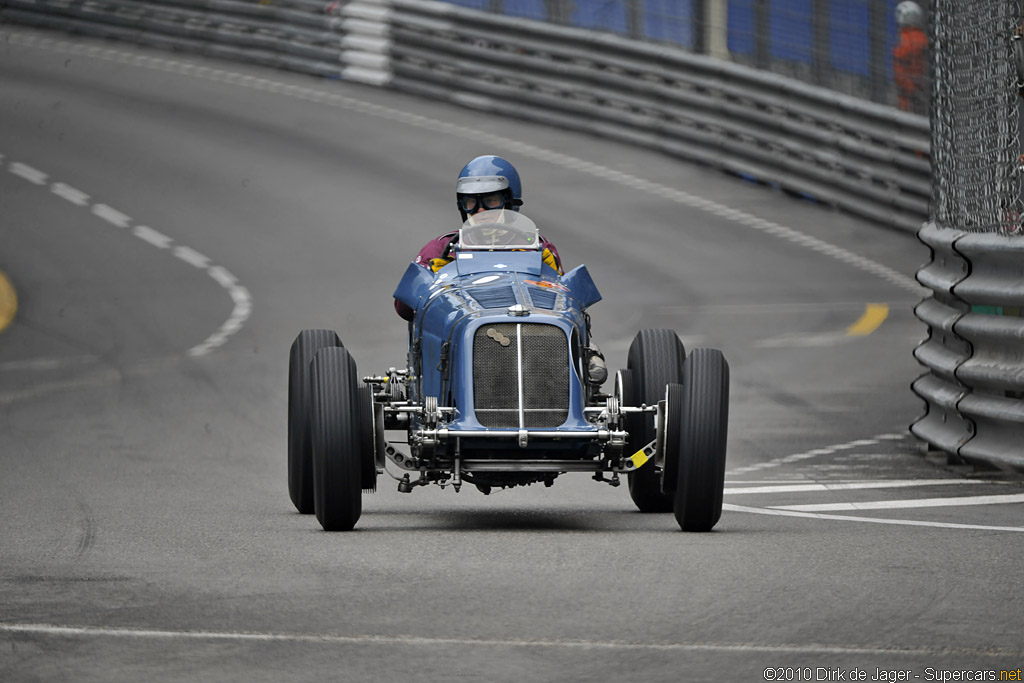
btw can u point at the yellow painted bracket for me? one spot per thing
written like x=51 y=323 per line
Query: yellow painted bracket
x=8 y=302
x=642 y=455
x=874 y=316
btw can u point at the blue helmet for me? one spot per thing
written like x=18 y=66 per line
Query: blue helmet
x=486 y=175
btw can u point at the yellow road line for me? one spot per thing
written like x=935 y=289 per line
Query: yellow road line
x=8 y=302
x=874 y=315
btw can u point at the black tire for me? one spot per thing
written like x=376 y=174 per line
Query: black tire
x=674 y=407
x=337 y=452
x=703 y=435
x=300 y=449
x=367 y=440
x=656 y=360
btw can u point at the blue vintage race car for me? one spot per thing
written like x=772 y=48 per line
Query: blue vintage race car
x=502 y=388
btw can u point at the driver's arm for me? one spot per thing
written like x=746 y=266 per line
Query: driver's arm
x=434 y=255
x=550 y=255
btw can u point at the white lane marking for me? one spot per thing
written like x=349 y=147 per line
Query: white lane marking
x=804 y=341
x=154 y=237
x=828 y=450
x=30 y=174
x=223 y=277
x=912 y=503
x=868 y=520
x=329 y=638
x=76 y=197
x=747 y=310
x=351 y=104
x=240 y=313
x=239 y=295
x=766 y=482
x=848 y=486
x=192 y=257
x=101 y=377
x=111 y=215
x=45 y=363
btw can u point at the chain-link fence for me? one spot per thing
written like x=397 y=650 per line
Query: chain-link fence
x=853 y=46
x=975 y=138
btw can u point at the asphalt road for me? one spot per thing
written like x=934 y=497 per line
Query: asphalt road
x=170 y=223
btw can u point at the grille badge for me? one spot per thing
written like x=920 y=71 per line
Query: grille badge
x=518 y=310
x=498 y=337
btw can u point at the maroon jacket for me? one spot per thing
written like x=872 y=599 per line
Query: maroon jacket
x=437 y=253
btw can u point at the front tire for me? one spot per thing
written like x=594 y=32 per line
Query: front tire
x=656 y=360
x=300 y=448
x=337 y=451
x=703 y=433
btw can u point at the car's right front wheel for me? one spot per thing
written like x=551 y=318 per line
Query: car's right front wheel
x=703 y=428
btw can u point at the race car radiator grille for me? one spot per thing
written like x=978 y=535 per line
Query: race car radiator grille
x=520 y=375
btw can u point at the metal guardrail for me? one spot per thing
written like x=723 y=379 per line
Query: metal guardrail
x=868 y=159
x=974 y=390
x=297 y=35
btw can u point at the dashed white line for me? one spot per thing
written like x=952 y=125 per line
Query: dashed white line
x=240 y=313
x=30 y=174
x=912 y=503
x=154 y=237
x=239 y=295
x=76 y=197
x=111 y=215
x=223 y=277
x=192 y=257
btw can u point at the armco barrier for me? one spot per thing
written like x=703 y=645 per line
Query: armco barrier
x=975 y=350
x=867 y=159
x=864 y=158
x=296 y=35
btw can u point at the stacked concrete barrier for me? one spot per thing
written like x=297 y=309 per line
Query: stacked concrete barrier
x=865 y=158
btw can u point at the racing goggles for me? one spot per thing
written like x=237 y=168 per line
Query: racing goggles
x=471 y=203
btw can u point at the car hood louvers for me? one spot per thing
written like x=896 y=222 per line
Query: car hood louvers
x=501 y=296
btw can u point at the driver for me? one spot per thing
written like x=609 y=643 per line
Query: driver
x=485 y=183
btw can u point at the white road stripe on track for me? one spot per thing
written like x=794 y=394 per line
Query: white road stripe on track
x=866 y=520
x=46 y=363
x=192 y=257
x=33 y=175
x=328 y=638
x=64 y=191
x=154 y=237
x=111 y=215
x=911 y=503
x=828 y=450
x=852 y=486
x=239 y=295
